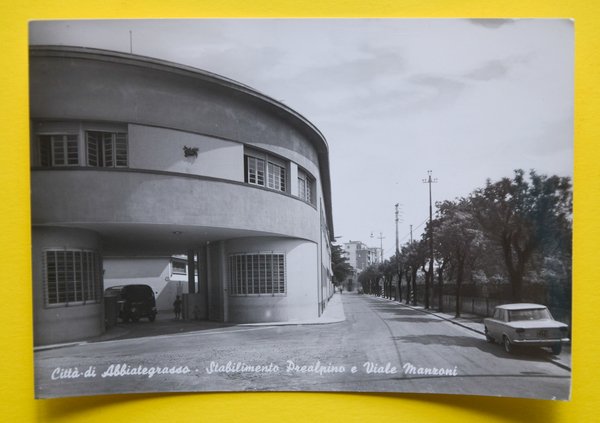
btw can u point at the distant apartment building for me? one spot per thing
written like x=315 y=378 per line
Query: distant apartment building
x=360 y=256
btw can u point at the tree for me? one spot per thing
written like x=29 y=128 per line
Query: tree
x=458 y=238
x=524 y=217
x=415 y=256
x=369 y=278
x=339 y=265
x=389 y=269
x=441 y=256
x=398 y=261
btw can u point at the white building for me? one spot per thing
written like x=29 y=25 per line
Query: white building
x=134 y=160
x=360 y=256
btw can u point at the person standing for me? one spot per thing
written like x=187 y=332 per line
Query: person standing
x=177 y=307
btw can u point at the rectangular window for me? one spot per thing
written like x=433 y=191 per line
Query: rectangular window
x=305 y=184
x=72 y=276
x=275 y=177
x=265 y=172
x=178 y=267
x=59 y=150
x=257 y=274
x=107 y=149
x=255 y=171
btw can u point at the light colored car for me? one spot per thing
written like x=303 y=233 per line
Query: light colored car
x=525 y=325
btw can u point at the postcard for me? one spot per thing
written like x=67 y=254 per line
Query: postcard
x=346 y=205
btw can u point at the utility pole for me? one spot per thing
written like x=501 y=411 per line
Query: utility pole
x=427 y=282
x=130 y=42
x=411 y=234
x=381 y=237
x=399 y=289
x=397 y=213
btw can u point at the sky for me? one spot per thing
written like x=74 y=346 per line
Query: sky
x=466 y=99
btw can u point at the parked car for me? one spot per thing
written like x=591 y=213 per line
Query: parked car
x=525 y=325
x=134 y=301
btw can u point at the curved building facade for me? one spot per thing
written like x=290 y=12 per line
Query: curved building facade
x=135 y=158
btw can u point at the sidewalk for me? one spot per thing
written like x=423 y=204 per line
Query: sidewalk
x=334 y=313
x=166 y=324
x=475 y=324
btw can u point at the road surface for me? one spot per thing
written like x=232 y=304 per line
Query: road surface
x=381 y=347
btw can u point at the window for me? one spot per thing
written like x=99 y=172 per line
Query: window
x=72 y=276
x=255 y=171
x=275 y=177
x=305 y=184
x=106 y=149
x=257 y=274
x=531 y=314
x=59 y=150
x=266 y=172
x=178 y=267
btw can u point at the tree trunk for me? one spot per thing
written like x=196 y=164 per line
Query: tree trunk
x=427 y=285
x=516 y=271
x=399 y=290
x=440 y=287
x=459 y=280
x=414 y=285
x=407 y=286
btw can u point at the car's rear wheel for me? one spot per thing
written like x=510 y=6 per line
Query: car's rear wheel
x=508 y=347
x=556 y=349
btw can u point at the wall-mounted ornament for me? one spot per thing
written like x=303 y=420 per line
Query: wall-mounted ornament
x=190 y=151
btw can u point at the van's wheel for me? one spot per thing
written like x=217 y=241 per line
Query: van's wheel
x=135 y=319
x=507 y=345
x=152 y=317
x=488 y=337
x=556 y=349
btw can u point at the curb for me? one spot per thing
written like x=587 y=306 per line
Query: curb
x=57 y=346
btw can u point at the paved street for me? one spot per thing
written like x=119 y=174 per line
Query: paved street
x=381 y=346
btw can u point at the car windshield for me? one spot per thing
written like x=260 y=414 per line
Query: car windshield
x=530 y=314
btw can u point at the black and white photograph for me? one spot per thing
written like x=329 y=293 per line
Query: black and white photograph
x=330 y=205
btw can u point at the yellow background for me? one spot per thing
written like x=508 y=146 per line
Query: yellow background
x=16 y=357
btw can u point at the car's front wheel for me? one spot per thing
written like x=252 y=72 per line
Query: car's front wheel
x=508 y=347
x=556 y=349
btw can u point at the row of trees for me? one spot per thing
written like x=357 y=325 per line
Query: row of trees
x=513 y=232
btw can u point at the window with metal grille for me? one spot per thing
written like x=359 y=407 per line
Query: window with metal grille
x=59 y=150
x=72 y=276
x=257 y=274
x=106 y=149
